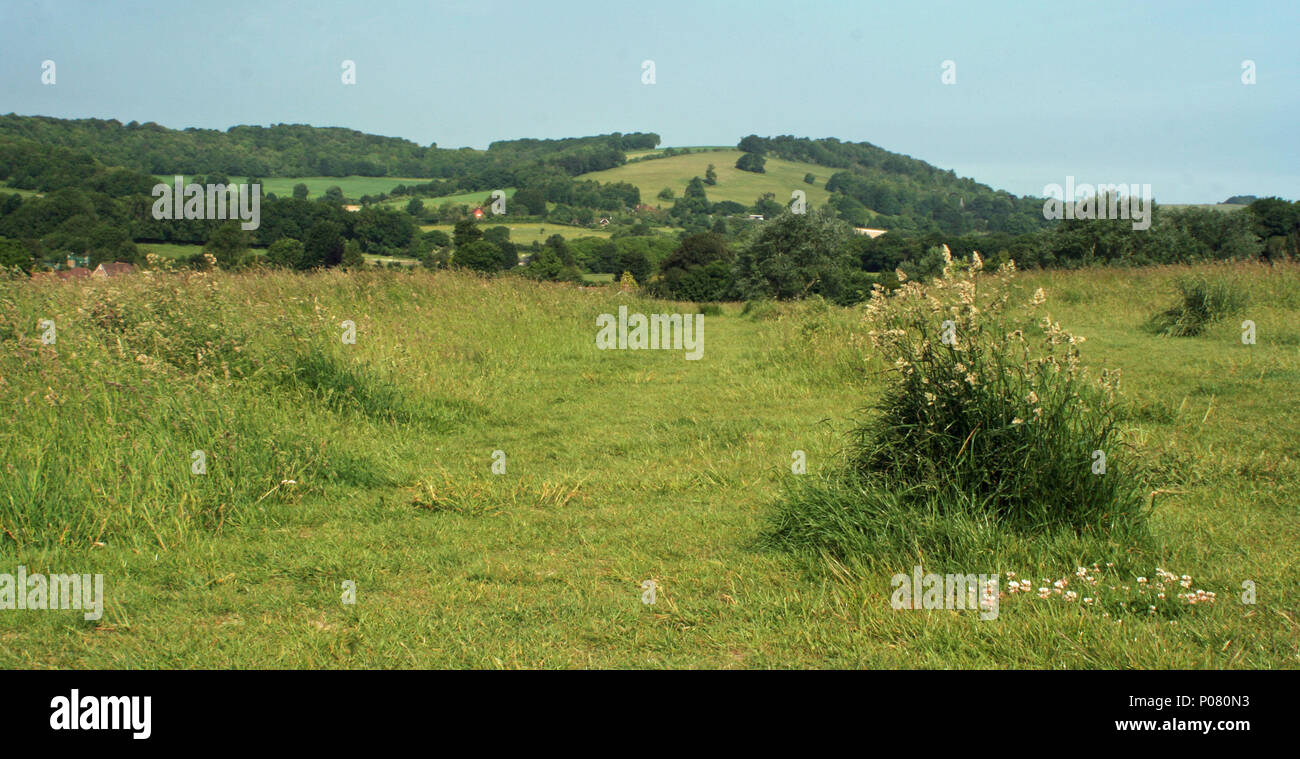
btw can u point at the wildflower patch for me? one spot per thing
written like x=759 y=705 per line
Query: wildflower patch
x=1102 y=591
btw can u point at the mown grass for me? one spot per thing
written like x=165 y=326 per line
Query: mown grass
x=622 y=466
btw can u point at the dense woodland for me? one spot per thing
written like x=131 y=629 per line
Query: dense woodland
x=94 y=179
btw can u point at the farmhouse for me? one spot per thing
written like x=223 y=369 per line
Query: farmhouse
x=872 y=233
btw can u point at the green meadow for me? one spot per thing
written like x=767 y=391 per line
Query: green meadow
x=353 y=187
x=371 y=464
x=525 y=233
x=181 y=250
x=481 y=198
x=633 y=154
x=1222 y=207
x=781 y=178
x=7 y=190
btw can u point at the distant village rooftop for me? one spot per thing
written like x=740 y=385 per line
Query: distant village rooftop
x=115 y=269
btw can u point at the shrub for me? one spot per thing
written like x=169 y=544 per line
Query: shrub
x=797 y=255
x=986 y=430
x=698 y=269
x=1203 y=301
x=285 y=253
x=478 y=255
x=751 y=162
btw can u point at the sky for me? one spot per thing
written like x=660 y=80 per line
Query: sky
x=1107 y=92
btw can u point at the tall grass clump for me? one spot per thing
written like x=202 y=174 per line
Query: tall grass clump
x=146 y=372
x=988 y=432
x=354 y=387
x=1202 y=301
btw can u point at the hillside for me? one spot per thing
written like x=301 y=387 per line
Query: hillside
x=871 y=185
x=294 y=150
x=781 y=178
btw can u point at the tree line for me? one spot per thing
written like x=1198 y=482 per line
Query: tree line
x=290 y=150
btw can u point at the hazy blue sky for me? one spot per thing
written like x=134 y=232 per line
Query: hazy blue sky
x=1134 y=92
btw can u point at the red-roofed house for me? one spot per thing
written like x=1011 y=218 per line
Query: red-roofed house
x=112 y=270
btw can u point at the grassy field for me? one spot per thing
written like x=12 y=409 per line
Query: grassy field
x=371 y=463
x=528 y=233
x=170 y=250
x=7 y=190
x=782 y=178
x=709 y=148
x=1225 y=207
x=352 y=187
x=482 y=198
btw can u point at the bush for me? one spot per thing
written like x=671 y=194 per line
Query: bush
x=751 y=162
x=1204 y=300
x=478 y=255
x=987 y=430
x=437 y=238
x=797 y=255
x=698 y=269
x=284 y=253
